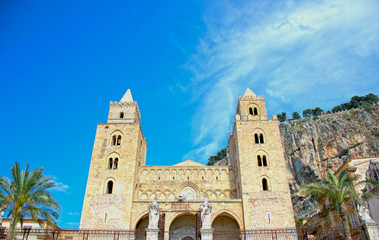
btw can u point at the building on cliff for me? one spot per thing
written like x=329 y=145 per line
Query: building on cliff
x=252 y=192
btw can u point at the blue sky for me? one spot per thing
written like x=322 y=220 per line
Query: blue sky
x=186 y=63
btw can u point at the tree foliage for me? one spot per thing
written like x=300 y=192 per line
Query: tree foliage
x=220 y=155
x=27 y=195
x=307 y=113
x=356 y=102
x=282 y=116
x=338 y=190
x=296 y=115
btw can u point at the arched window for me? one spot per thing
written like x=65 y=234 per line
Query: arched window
x=115 y=163
x=114 y=140
x=253 y=111
x=259 y=161
x=261 y=140
x=264 y=160
x=118 y=140
x=256 y=138
x=264 y=184
x=121 y=115
x=110 y=163
x=109 y=187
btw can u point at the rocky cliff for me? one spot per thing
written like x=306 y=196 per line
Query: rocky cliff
x=313 y=145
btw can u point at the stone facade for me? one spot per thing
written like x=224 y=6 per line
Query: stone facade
x=252 y=192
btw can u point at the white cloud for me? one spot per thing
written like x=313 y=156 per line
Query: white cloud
x=297 y=54
x=60 y=187
x=73 y=213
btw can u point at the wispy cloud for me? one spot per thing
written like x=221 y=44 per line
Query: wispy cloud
x=297 y=53
x=73 y=213
x=60 y=187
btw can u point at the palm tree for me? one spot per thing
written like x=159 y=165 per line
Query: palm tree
x=339 y=190
x=27 y=195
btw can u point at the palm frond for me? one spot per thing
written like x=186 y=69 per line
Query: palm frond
x=26 y=194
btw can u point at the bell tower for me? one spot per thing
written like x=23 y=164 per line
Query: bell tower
x=255 y=149
x=119 y=150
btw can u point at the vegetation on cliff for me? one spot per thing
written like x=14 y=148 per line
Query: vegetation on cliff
x=355 y=102
x=219 y=156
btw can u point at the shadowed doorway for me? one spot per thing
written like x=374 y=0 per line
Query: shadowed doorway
x=226 y=227
x=183 y=228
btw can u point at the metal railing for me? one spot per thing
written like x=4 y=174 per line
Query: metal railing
x=272 y=234
x=71 y=234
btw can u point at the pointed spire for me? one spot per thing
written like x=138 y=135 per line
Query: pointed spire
x=127 y=97
x=249 y=93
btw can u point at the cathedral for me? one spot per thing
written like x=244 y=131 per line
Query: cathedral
x=250 y=193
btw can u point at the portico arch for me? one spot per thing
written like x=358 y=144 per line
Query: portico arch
x=183 y=226
x=224 y=224
x=140 y=227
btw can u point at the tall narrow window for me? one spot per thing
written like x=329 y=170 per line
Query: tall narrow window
x=115 y=163
x=110 y=163
x=264 y=160
x=259 y=161
x=261 y=140
x=118 y=140
x=264 y=184
x=109 y=187
x=251 y=111
x=114 y=140
x=255 y=111
x=121 y=115
x=256 y=138
x=340 y=229
x=353 y=220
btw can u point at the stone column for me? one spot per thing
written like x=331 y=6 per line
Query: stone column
x=369 y=224
x=206 y=233
x=1 y=218
x=152 y=233
x=371 y=230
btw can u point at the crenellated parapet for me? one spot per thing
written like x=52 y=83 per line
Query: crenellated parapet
x=116 y=104
x=124 y=111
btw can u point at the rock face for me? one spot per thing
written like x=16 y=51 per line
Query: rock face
x=311 y=146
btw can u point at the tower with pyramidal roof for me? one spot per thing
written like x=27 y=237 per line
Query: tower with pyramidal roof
x=255 y=148
x=118 y=151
